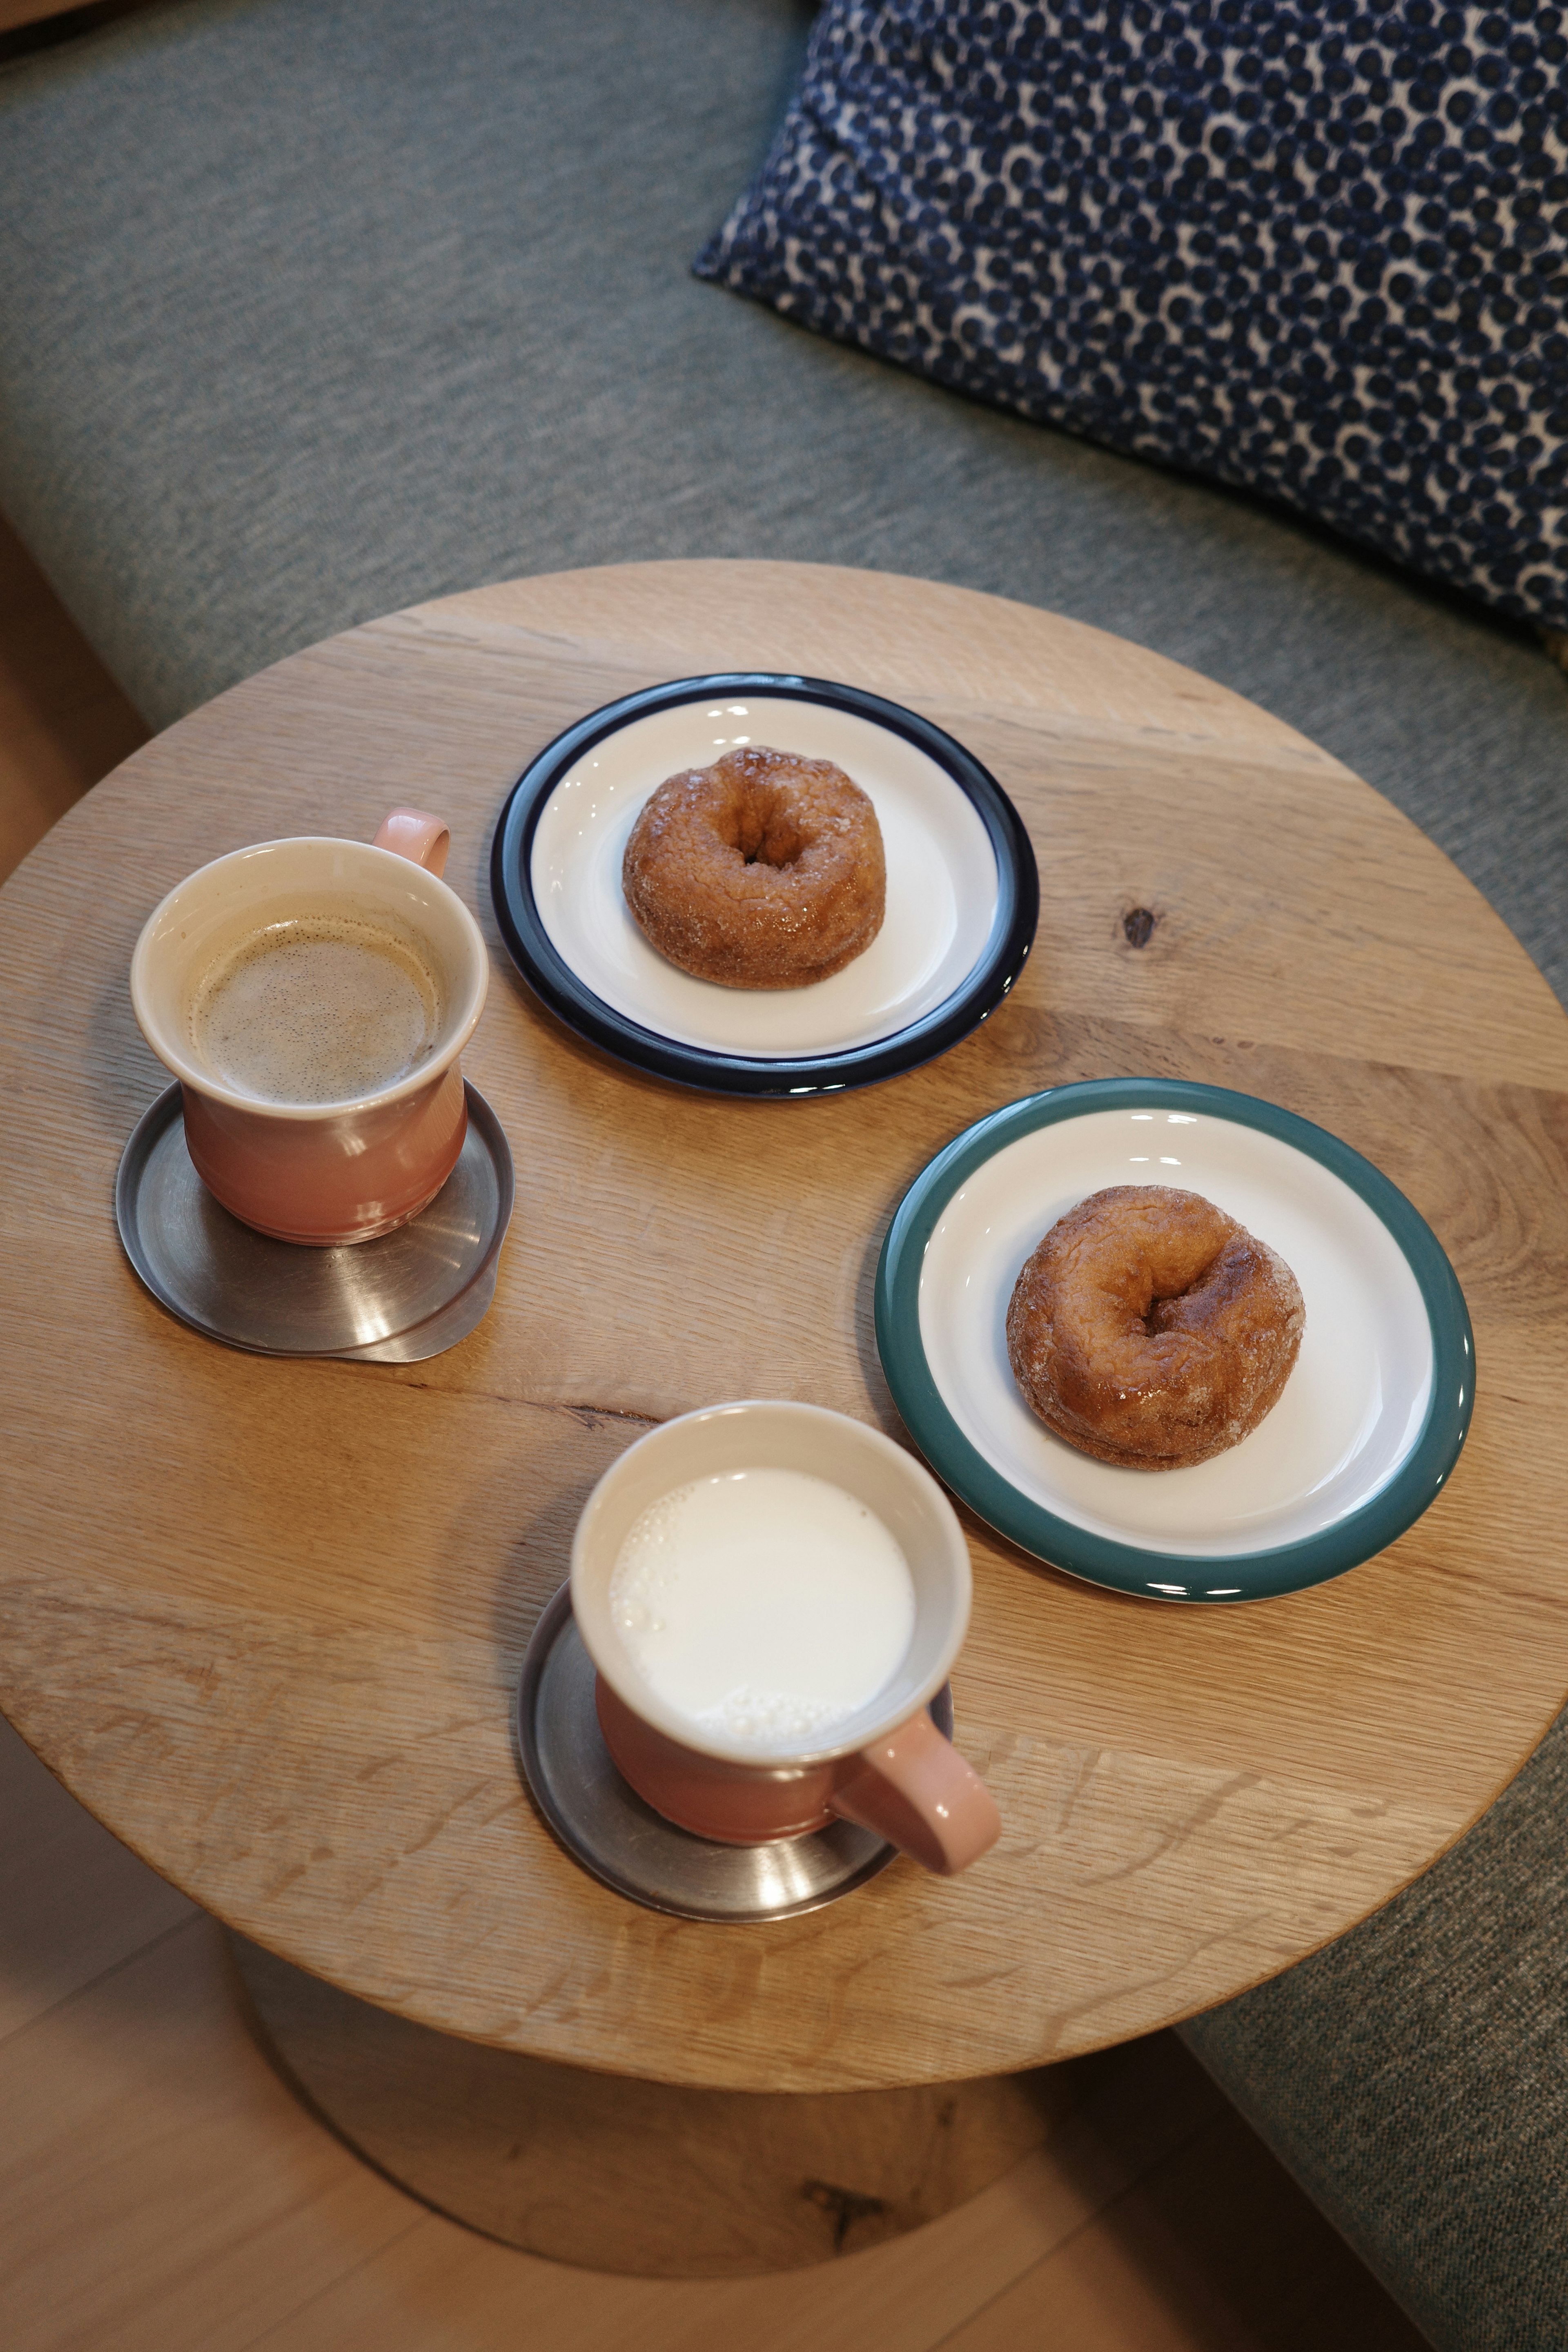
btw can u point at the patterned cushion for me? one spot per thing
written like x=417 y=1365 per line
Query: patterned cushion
x=1318 y=250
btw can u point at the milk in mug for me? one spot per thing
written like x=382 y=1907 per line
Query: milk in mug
x=767 y=1607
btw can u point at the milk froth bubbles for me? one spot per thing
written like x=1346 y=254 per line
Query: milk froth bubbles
x=767 y=1607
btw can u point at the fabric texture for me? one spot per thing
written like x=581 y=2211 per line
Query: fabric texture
x=309 y=308
x=1415 y=2077
x=1318 y=249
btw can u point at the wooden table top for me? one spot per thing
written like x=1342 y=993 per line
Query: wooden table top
x=265 y=1618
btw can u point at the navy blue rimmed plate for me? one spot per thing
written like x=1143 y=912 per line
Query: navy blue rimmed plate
x=963 y=890
x=1371 y=1422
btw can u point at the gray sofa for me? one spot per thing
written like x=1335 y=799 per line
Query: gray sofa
x=309 y=308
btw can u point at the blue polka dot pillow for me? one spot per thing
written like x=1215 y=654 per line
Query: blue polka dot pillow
x=1318 y=250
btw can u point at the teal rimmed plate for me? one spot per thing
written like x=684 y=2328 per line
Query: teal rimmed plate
x=1371 y=1419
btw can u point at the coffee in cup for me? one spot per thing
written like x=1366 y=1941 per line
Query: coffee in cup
x=317 y=1008
x=312 y=997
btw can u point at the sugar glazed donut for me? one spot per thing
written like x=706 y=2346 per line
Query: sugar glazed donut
x=762 y=871
x=1150 y=1329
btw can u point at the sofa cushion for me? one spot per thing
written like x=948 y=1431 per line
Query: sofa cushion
x=1321 y=249
x=309 y=308
x=1412 y=2075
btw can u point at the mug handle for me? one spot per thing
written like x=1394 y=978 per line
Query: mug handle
x=411 y=833
x=914 y=1788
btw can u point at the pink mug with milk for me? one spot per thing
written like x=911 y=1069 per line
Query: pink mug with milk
x=312 y=997
x=773 y=1594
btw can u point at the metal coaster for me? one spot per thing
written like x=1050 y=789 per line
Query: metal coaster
x=606 y=1827
x=392 y=1301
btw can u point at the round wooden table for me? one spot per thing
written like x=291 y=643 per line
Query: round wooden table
x=265 y=1618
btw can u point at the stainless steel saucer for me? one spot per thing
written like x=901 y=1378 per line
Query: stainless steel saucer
x=392 y=1301
x=608 y=1829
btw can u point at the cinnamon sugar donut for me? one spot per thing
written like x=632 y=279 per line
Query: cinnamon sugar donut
x=762 y=871
x=1150 y=1329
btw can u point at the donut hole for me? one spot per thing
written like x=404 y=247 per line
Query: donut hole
x=1209 y=1292
x=1173 y=1275
x=1165 y=1305
x=762 y=829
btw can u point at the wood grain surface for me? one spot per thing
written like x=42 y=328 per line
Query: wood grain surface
x=162 y=2190
x=265 y=1618
x=652 y=2180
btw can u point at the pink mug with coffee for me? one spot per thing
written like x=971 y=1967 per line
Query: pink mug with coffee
x=313 y=996
x=732 y=1574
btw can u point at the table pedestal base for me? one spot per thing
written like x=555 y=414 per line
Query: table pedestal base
x=616 y=2174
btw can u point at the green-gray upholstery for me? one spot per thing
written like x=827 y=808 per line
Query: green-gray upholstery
x=1415 y=2077
x=309 y=308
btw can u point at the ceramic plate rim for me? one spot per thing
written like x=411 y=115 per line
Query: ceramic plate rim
x=551 y=977
x=1102 y=1560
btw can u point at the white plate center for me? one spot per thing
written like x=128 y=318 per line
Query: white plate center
x=1353 y=1408
x=943 y=884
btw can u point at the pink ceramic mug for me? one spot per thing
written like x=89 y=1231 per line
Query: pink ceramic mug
x=887 y=1767
x=322 y=1173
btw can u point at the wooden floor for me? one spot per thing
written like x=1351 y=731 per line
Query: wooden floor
x=161 y=2188
x=63 y=721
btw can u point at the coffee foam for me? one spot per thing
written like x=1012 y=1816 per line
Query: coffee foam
x=317 y=1009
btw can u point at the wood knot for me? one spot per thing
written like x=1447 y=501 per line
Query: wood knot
x=1138 y=926
x=846 y=2206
